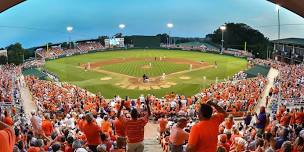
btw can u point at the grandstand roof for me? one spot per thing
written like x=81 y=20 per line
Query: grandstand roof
x=6 y=4
x=290 y=41
x=295 y=6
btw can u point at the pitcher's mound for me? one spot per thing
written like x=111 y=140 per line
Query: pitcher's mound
x=184 y=78
x=105 y=78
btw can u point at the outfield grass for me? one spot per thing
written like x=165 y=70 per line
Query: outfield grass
x=68 y=70
x=138 y=68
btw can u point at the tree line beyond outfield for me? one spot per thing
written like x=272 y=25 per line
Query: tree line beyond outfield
x=235 y=36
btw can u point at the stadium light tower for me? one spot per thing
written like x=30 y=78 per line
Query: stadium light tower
x=69 y=30
x=169 y=26
x=279 y=21
x=223 y=28
x=121 y=27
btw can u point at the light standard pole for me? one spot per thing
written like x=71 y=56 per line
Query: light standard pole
x=279 y=21
x=69 y=30
x=170 y=26
x=121 y=27
x=223 y=28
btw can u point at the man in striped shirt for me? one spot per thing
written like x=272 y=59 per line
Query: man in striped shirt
x=134 y=128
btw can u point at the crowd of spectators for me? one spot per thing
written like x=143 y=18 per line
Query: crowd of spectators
x=290 y=82
x=236 y=97
x=56 y=51
x=8 y=74
x=51 y=52
x=33 y=64
x=239 y=76
x=9 y=105
x=70 y=118
x=280 y=131
x=66 y=105
x=87 y=46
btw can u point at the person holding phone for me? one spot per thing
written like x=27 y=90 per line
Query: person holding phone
x=7 y=137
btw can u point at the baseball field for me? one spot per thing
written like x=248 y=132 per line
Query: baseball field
x=121 y=72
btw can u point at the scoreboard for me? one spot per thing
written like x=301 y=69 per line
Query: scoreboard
x=3 y=53
x=114 y=42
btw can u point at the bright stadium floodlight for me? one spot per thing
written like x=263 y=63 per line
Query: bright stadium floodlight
x=121 y=26
x=170 y=25
x=223 y=28
x=69 y=28
x=277 y=7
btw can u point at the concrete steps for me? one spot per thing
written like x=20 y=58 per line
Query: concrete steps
x=272 y=74
x=152 y=145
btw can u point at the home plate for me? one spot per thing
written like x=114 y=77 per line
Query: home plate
x=105 y=78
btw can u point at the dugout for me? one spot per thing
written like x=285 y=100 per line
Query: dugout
x=256 y=70
x=34 y=72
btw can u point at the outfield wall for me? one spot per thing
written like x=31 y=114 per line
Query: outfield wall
x=145 y=41
x=139 y=48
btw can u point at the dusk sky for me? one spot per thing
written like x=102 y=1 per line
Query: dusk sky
x=36 y=22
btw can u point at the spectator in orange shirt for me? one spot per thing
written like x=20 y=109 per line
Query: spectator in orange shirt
x=223 y=142
x=285 y=119
x=299 y=116
x=106 y=125
x=162 y=124
x=203 y=135
x=47 y=126
x=134 y=128
x=228 y=123
x=178 y=136
x=81 y=122
x=68 y=145
x=7 y=119
x=127 y=103
x=119 y=128
x=92 y=132
x=7 y=137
